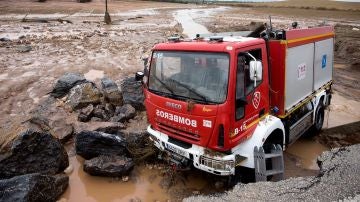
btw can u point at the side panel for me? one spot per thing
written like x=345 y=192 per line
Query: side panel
x=299 y=74
x=323 y=64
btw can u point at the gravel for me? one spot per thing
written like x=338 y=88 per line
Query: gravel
x=339 y=179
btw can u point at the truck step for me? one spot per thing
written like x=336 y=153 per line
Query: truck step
x=269 y=164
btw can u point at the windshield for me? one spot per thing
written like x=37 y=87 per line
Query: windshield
x=198 y=76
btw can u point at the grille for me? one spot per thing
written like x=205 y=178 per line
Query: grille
x=178 y=132
x=216 y=164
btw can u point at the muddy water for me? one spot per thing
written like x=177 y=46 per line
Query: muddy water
x=187 y=18
x=84 y=187
x=306 y=152
x=143 y=184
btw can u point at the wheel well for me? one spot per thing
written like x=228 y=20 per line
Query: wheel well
x=276 y=137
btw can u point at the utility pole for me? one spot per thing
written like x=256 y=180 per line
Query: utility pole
x=107 y=18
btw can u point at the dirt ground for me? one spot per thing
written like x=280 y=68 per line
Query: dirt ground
x=33 y=53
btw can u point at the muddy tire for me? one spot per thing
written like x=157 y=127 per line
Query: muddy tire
x=319 y=118
x=318 y=124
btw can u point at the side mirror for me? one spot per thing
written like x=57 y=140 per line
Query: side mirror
x=255 y=71
x=139 y=76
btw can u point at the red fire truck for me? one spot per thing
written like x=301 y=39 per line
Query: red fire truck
x=211 y=101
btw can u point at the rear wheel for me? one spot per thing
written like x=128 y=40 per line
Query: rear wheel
x=318 y=122
x=319 y=117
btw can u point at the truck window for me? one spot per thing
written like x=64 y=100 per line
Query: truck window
x=249 y=84
x=199 y=76
x=240 y=88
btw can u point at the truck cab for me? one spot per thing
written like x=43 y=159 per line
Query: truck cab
x=209 y=102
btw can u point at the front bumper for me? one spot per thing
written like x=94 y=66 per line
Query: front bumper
x=223 y=165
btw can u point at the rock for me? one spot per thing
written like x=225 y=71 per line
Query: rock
x=109 y=109
x=96 y=119
x=100 y=112
x=4 y=39
x=109 y=166
x=90 y=144
x=24 y=48
x=124 y=113
x=62 y=130
x=83 y=95
x=85 y=113
x=106 y=127
x=132 y=93
x=48 y=117
x=111 y=91
x=65 y=83
x=34 y=187
x=69 y=169
x=33 y=152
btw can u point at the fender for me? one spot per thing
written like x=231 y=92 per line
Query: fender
x=263 y=130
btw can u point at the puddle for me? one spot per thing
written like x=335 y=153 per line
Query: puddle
x=341 y=111
x=92 y=75
x=306 y=151
x=83 y=187
x=186 y=19
x=143 y=185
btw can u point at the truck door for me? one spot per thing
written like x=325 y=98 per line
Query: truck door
x=251 y=92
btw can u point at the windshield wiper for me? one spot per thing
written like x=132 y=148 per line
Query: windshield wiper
x=203 y=98
x=167 y=87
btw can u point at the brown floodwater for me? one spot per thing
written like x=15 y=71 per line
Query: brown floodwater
x=143 y=185
x=306 y=152
x=144 y=181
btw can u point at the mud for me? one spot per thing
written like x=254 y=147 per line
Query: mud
x=90 y=47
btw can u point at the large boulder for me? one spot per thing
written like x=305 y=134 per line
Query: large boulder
x=33 y=152
x=90 y=144
x=111 y=91
x=65 y=83
x=49 y=117
x=34 y=187
x=133 y=93
x=83 y=95
x=109 y=166
x=124 y=113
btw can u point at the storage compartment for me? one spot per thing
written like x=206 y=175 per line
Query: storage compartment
x=323 y=65
x=299 y=66
x=298 y=74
